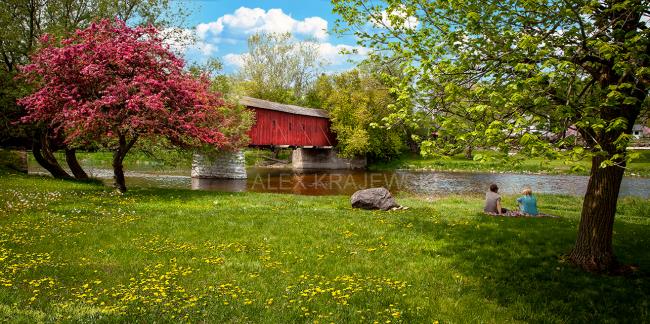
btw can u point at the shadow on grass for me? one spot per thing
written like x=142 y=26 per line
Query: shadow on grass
x=512 y=262
x=518 y=263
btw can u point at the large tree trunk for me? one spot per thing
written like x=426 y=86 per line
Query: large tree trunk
x=118 y=171
x=46 y=159
x=593 y=249
x=118 y=157
x=71 y=159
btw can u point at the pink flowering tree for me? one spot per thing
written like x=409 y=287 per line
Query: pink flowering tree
x=111 y=84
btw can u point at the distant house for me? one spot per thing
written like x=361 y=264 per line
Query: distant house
x=640 y=131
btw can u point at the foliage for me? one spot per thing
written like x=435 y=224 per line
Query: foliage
x=10 y=133
x=511 y=73
x=72 y=252
x=25 y=21
x=112 y=84
x=358 y=102
x=495 y=162
x=516 y=75
x=279 y=68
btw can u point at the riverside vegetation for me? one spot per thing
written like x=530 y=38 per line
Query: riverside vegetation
x=180 y=161
x=496 y=162
x=80 y=252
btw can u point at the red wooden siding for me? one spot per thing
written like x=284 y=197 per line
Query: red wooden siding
x=273 y=128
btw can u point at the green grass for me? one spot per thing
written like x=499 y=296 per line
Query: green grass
x=638 y=167
x=78 y=252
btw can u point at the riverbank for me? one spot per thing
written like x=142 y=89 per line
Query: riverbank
x=498 y=164
x=178 y=162
x=80 y=252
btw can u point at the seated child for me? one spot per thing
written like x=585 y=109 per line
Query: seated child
x=528 y=202
x=493 y=201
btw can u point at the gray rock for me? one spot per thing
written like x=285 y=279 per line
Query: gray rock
x=373 y=198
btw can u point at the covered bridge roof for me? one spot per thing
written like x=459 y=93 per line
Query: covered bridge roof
x=291 y=109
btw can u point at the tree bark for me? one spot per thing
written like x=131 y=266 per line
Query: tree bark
x=44 y=157
x=118 y=157
x=71 y=159
x=593 y=249
x=469 y=154
x=118 y=171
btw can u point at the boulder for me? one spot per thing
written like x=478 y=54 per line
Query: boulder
x=373 y=198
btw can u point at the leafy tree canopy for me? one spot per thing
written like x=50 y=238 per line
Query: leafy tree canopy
x=112 y=84
x=24 y=22
x=357 y=102
x=515 y=75
x=279 y=68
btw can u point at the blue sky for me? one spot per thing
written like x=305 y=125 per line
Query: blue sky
x=222 y=27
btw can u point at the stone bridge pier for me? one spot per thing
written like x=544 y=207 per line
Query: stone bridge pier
x=323 y=159
x=219 y=165
x=231 y=165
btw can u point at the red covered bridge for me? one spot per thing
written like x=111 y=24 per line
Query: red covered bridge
x=288 y=126
x=279 y=125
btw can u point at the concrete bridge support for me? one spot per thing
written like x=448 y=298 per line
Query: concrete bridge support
x=219 y=165
x=324 y=159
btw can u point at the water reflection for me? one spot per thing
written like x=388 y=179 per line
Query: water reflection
x=219 y=185
x=343 y=182
x=421 y=182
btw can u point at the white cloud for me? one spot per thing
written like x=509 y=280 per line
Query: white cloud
x=403 y=20
x=314 y=26
x=206 y=48
x=247 y=21
x=178 y=39
x=215 y=28
x=181 y=40
x=236 y=60
x=332 y=53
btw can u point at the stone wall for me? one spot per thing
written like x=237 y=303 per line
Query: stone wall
x=221 y=165
x=325 y=159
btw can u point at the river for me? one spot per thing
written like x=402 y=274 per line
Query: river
x=344 y=182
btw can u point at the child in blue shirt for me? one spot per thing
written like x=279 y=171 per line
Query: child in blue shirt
x=528 y=203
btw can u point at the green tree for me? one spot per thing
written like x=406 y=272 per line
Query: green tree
x=213 y=69
x=279 y=68
x=358 y=102
x=24 y=21
x=529 y=67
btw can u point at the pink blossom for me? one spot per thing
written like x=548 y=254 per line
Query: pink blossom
x=113 y=79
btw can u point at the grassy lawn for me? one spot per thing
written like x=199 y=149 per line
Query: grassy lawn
x=80 y=252
x=638 y=167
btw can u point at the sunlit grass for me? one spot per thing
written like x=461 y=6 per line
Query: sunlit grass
x=81 y=252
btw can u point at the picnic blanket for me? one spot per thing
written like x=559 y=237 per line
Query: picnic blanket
x=516 y=213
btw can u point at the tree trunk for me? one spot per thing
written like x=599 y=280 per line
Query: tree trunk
x=469 y=154
x=118 y=157
x=118 y=171
x=593 y=249
x=71 y=159
x=44 y=157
